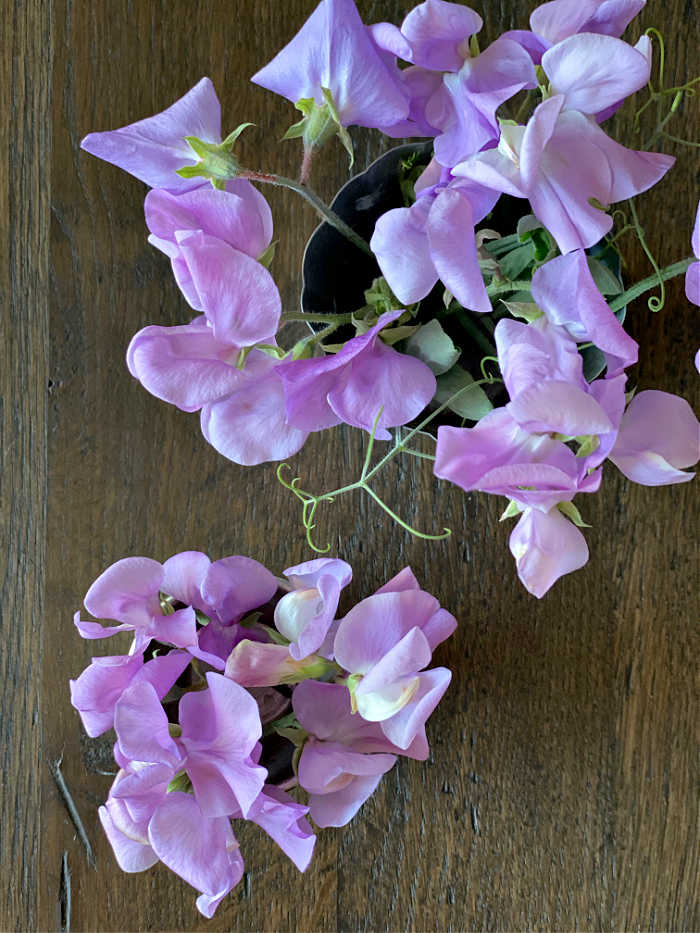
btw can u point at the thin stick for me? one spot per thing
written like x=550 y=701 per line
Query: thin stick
x=64 y=895
x=55 y=768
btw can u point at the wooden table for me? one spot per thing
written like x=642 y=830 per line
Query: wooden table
x=562 y=788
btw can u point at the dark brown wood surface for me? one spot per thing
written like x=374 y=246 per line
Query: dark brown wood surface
x=562 y=788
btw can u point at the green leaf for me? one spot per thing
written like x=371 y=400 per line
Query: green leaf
x=607 y=282
x=265 y=258
x=514 y=263
x=526 y=310
x=504 y=245
x=512 y=510
x=572 y=513
x=432 y=345
x=472 y=403
x=228 y=143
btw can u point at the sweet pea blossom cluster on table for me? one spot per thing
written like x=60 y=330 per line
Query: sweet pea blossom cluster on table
x=239 y=687
x=512 y=345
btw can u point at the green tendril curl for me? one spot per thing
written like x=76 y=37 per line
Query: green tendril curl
x=311 y=502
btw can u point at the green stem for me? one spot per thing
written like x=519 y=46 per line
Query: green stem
x=670 y=272
x=289 y=316
x=328 y=215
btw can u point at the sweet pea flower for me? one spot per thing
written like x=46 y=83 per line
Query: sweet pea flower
x=498 y=456
x=242 y=410
x=384 y=643
x=434 y=239
x=434 y=35
x=559 y=161
x=543 y=373
x=546 y=545
x=154 y=149
x=659 y=438
x=473 y=95
x=352 y=386
x=564 y=289
x=333 y=51
x=596 y=73
x=130 y=592
x=559 y=19
x=97 y=690
x=344 y=757
x=306 y=613
x=692 y=273
x=239 y=216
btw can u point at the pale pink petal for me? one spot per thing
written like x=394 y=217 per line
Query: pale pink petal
x=194 y=847
x=400 y=243
x=450 y=231
x=404 y=726
x=237 y=294
x=154 y=149
x=127 y=591
x=546 y=546
x=250 y=425
x=659 y=437
x=439 y=33
x=594 y=72
x=131 y=854
x=184 y=365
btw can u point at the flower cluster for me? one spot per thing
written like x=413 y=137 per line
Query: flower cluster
x=537 y=313
x=240 y=686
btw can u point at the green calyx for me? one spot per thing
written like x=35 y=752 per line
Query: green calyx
x=319 y=124
x=216 y=161
x=180 y=782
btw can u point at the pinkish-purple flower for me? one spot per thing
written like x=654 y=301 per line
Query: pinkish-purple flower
x=155 y=148
x=353 y=385
x=692 y=273
x=385 y=643
x=659 y=438
x=434 y=239
x=546 y=545
x=333 y=51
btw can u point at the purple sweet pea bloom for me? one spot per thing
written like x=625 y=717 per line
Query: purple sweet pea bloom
x=546 y=545
x=305 y=614
x=334 y=51
x=239 y=216
x=420 y=87
x=220 y=728
x=154 y=149
x=237 y=294
x=385 y=642
x=202 y=851
x=283 y=819
x=434 y=239
x=692 y=273
x=560 y=19
x=543 y=373
x=353 y=385
x=468 y=121
x=344 y=757
x=595 y=72
x=130 y=591
x=243 y=411
x=96 y=692
x=499 y=457
x=435 y=35
x=659 y=437
x=564 y=289
x=559 y=161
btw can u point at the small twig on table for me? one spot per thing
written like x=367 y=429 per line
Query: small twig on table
x=55 y=768
x=64 y=895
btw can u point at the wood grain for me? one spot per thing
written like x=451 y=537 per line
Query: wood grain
x=24 y=283
x=562 y=789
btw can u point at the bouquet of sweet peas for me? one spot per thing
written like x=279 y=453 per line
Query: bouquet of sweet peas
x=471 y=300
x=240 y=686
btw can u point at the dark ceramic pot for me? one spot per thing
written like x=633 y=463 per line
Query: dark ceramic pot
x=335 y=274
